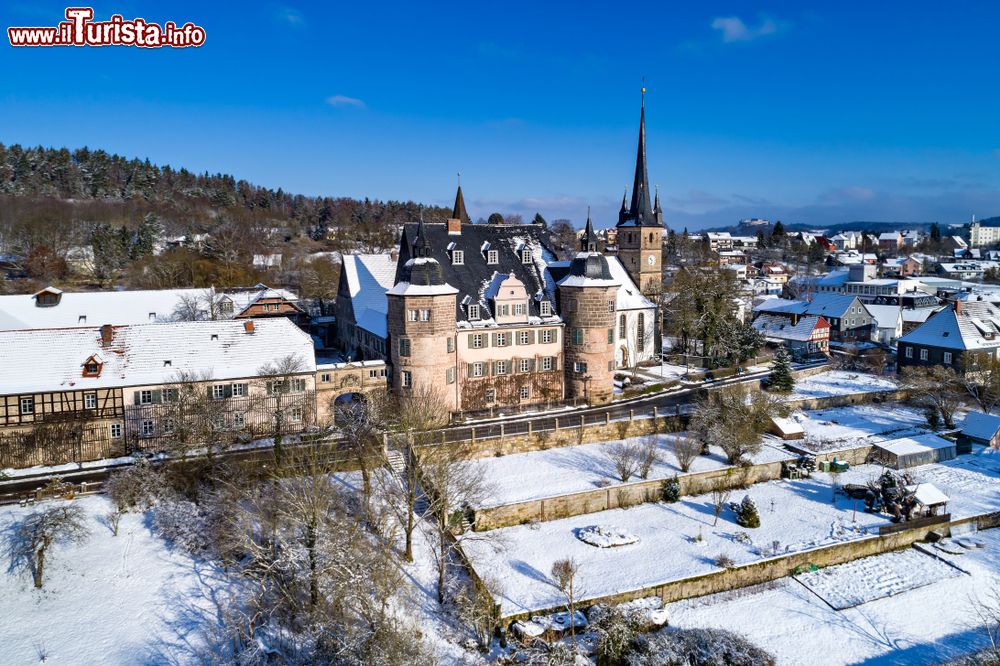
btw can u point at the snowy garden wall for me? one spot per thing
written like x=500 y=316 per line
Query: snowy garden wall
x=620 y=496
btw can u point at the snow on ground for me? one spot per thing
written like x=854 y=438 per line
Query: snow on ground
x=971 y=482
x=795 y=516
x=841 y=428
x=113 y=600
x=926 y=625
x=526 y=476
x=854 y=583
x=839 y=382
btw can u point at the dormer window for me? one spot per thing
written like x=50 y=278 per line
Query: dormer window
x=92 y=366
x=458 y=258
x=492 y=257
x=82 y=319
x=474 y=311
x=545 y=308
x=525 y=256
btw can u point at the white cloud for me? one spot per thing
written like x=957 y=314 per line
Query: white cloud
x=344 y=100
x=290 y=15
x=734 y=29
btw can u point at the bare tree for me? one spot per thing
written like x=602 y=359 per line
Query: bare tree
x=453 y=486
x=564 y=572
x=29 y=540
x=686 y=449
x=935 y=388
x=986 y=614
x=418 y=414
x=363 y=424
x=200 y=306
x=648 y=455
x=625 y=458
x=720 y=495
x=280 y=377
x=981 y=380
x=478 y=610
x=735 y=419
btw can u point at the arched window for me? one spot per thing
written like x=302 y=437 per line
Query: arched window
x=640 y=334
x=621 y=327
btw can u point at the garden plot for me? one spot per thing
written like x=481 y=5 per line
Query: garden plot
x=839 y=382
x=971 y=482
x=558 y=471
x=858 y=582
x=925 y=625
x=795 y=516
x=843 y=428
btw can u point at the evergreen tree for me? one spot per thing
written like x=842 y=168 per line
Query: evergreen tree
x=539 y=220
x=935 y=233
x=747 y=514
x=781 y=378
x=146 y=236
x=761 y=240
x=495 y=218
x=816 y=252
x=778 y=233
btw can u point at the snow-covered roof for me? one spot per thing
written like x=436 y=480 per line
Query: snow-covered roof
x=826 y=304
x=629 y=296
x=918 y=315
x=368 y=277
x=889 y=235
x=981 y=426
x=927 y=494
x=976 y=327
x=887 y=316
x=45 y=360
x=90 y=308
x=919 y=444
x=834 y=278
x=775 y=327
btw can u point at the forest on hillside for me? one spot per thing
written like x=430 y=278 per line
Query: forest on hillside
x=55 y=202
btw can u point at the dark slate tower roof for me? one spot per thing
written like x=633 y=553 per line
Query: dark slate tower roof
x=589 y=268
x=459 y=212
x=640 y=212
x=588 y=243
x=422 y=270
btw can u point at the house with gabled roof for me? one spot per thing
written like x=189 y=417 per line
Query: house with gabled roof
x=962 y=337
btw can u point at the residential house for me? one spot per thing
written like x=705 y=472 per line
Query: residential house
x=848 y=318
x=890 y=241
x=362 y=306
x=803 y=335
x=719 y=240
x=888 y=323
x=961 y=337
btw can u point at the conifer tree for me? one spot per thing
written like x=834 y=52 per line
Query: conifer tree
x=781 y=378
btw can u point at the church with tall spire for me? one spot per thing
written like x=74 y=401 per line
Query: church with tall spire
x=640 y=222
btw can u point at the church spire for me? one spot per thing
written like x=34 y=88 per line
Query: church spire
x=623 y=213
x=589 y=241
x=640 y=212
x=459 y=212
x=657 y=211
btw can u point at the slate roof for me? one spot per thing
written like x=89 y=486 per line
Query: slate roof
x=474 y=275
x=825 y=304
x=966 y=330
x=44 y=360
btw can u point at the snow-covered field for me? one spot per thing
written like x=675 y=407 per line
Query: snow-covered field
x=842 y=428
x=113 y=600
x=557 y=471
x=839 y=382
x=854 y=583
x=925 y=625
x=795 y=516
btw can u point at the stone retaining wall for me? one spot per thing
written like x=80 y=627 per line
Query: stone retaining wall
x=620 y=495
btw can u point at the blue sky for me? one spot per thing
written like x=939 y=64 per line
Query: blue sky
x=806 y=112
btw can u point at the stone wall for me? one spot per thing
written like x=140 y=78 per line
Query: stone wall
x=620 y=495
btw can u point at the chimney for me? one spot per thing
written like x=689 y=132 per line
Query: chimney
x=455 y=226
x=394 y=254
x=248 y=326
x=958 y=306
x=107 y=334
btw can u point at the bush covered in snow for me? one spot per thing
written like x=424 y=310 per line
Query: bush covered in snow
x=671 y=490
x=183 y=524
x=606 y=537
x=746 y=513
x=696 y=647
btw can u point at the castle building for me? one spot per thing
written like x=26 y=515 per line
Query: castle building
x=486 y=316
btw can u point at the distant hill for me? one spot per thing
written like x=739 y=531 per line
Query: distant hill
x=858 y=225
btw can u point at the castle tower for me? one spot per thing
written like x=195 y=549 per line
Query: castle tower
x=587 y=298
x=422 y=325
x=640 y=226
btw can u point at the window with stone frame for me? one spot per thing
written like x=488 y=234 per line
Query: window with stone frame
x=404 y=347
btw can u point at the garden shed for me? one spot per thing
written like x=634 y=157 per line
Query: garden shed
x=913 y=451
x=979 y=428
x=786 y=428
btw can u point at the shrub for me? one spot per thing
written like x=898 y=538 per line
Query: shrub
x=747 y=514
x=696 y=647
x=671 y=490
x=724 y=561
